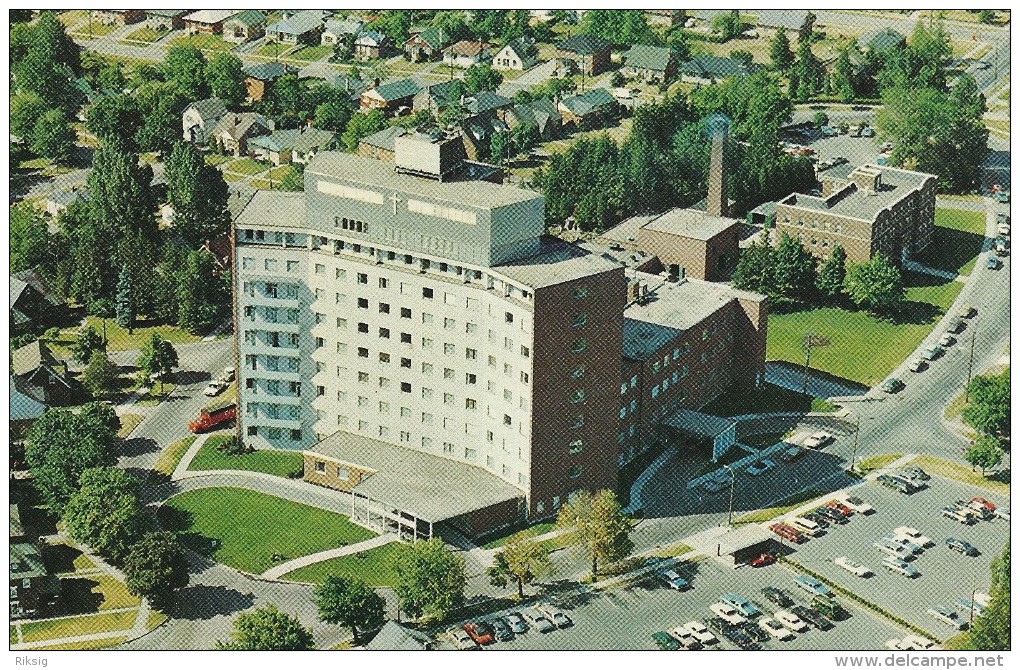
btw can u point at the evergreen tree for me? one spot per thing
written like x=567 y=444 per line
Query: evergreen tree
x=843 y=77
x=199 y=295
x=53 y=137
x=808 y=71
x=753 y=268
x=198 y=194
x=100 y=375
x=793 y=268
x=125 y=301
x=832 y=272
x=780 y=51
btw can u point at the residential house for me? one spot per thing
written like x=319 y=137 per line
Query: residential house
x=33 y=589
x=200 y=117
x=466 y=53
x=380 y=145
x=59 y=201
x=233 y=131
x=390 y=98
x=24 y=409
x=881 y=42
x=295 y=145
x=426 y=45
x=650 y=63
x=589 y=110
x=207 y=21
x=41 y=376
x=540 y=114
x=787 y=19
x=353 y=87
x=32 y=304
x=665 y=17
x=244 y=27
x=518 y=54
x=394 y=637
x=477 y=132
x=165 y=19
x=336 y=31
x=259 y=78
x=707 y=69
x=118 y=17
x=585 y=53
x=370 y=45
x=437 y=97
x=302 y=28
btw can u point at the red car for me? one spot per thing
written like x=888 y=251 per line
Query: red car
x=763 y=560
x=479 y=632
x=839 y=507
x=987 y=504
x=787 y=532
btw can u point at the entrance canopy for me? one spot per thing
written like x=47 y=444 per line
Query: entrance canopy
x=721 y=431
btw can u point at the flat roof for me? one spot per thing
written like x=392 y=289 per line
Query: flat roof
x=430 y=487
x=381 y=174
x=273 y=208
x=629 y=257
x=743 y=538
x=556 y=262
x=625 y=232
x=699 y=423
x=851 y=201
x=691 y=223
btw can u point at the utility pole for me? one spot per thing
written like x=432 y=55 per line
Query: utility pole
x=853 y=456
x=970 y=366
x=810 y=341
x=733 y=479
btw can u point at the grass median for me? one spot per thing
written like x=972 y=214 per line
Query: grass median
x=271 y=462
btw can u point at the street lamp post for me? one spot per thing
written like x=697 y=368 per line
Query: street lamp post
x=970 y=367
x=810 y=341
x=733 y=478
x=853 y=455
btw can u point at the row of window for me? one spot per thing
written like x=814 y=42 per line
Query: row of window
x=275 y=433
x=272 y=338
x=835 y=227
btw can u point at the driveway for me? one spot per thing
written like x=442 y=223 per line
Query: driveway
x=535 y=75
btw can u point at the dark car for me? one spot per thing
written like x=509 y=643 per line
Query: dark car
x=965 y=548
x=832 y=514
x=754 y=631
x=517 y=623
x=777 y=596
x=812 y=617
x=817 y=518
x=717 y=625
x=898 y=484
x=665 y=641
x=914 y=472
x=892 y=385
x=740 y=638
x=501 y=629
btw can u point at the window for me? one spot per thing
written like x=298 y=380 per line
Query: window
x=341 y=323
x=470 y=403
x=384 y=308
x=578 y=421
x=470 y=378
x=508 y=395
x=507 y=421
x=405 y=362
x=575 y=472
x=448 y=373
x=427 y=418
x=383 y=282
x=655 y=391
x=405 y=436
x=405 y=387
x=319 y=343
x=509 y=317
x=427 y=293
x=383 y=357
x=577 y=397
x=363 y=303
x=447 y=398
x=362 y=376
x=579 y=346
x=362 y=327
x=384 y=407
x=405 y=338
x=449 y=323
x=623 y=388
x=295 y=434
x=470 y=328
x=384 y=333
x=362 y=278
x=580 y=292
x=426 y=343
x=525 y=377
x=490 y=436
x=633 y=381
x=405 y=313
x=384 y=382
x=320 y=390
x=426 y=393
x=577 y=372
x=623 y=412
x=579 y=320
x=525 y=351
x=471 y=354
x=405 y=412
x=492 y=361
x=363 y=352
x=320 y=466
x=448 y=348
x=469 y=452
x=340 y=274
x=448 y=448
x=426 y=368
x=576 y=447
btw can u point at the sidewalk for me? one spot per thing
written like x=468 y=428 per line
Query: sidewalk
x=280 y=570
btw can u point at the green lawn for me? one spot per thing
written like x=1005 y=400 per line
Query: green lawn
x=172 y=455
x=14 y=635
x=97 y=30
x=279 y=463
x=956 y=242
x=376 y=566
x=862 y=348
x=114 y=593
x=876 y=462
x=203 y=42
x=310 y=54
x=128 y=422
x=120 y=340
x=80 y=625
x=217 y=159
x=250 y=527
x=769 y=398
x=72 y=17
x=247 y=166
x=960 y=473
x=272 y=49
x=146 y=35
x=104 y=643
x=277 y=175
x=530 y=531
x=787 y=505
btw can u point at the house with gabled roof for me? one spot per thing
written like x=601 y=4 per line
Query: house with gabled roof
x=650 y=63
x=390 y=97
x=540 y=113
x=294 y=145
x=165 y=19
x=371 y=44
x=244 y=27
x=304 y=27
x=520 y=53
x=585 y=53
x=233 y=131
x=881 y=41
x=336 y=31
x=706 y=69
x=589 y=110
x=40 y=376
x=33 y=304
x=259 y=78
x=207 y=21
x=486 y=101
x=466 y=53
x=426 y=45
x=199 y=118
x=437 y=97
x=381 y=145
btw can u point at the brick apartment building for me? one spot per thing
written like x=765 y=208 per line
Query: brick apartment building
x=867 y=209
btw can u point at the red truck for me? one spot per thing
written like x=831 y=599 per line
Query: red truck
x=214 y=416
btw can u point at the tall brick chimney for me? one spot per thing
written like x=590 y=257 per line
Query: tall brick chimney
x=718 y=202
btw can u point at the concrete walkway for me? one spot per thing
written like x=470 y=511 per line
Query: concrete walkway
x=639 y=483
x=181 y=471
x=280 y=570
x=914 y=266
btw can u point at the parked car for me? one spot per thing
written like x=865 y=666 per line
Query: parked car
x=806 y=526
x=1002 y=513
x=1001 y=218
x=763 y=560
x=1002 y=196
x=992 y=263
x=829 y=607
x=788 y=532
x=791 y=621
x=931 y=352
x=976 y=509
x=839 y=507
x=1001 y=246
x=812 y=617
x=501 y=629
x=853 y=567
x=228 y=375
x=914 y=536
x=967 y=311
x=946 y=615
x=1003 y=229
x=539 y=620
x=214 y=388
x=753 y=631
x=832 y=514
x=909 y=643
x=819 y=519
x=700 y=633
x=955 y=514
x=558 y=618
x=790 y=454
x=886 y=480
x=918 y=364
x=912 y=547
x=955 y=325
x=777 y=596
x=741 y=604
x=962 y=546
x=517 y=623
x=947 y=340
x=683 y=637
x=674 y=580
x=896 y=565
x=726 y=612
x=984 y=502
x=892 y=385
x=819 y=439
x=915 y=473
x=462 y=640
x=479 y=632
x=665 y=641
x=858 y=505
x=893 y=549
x=812 y=585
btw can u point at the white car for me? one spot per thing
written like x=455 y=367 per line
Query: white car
x=916 y=642
x=948 y=616
x=902 y=567
x=775 y=629
x=947 y=340
x=228 y=374
x=818 y=440
x=214 y=388
x=1004 y=229
x=461 y=639
x=917 y=365
x=857 y=505
x=914 y=536
x=852 y=567
x=931 y=352
x=791 y=621
x=726 y=613
x=700 y=633
x=1002 y=512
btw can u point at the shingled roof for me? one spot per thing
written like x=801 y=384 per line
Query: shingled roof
x=583 y=44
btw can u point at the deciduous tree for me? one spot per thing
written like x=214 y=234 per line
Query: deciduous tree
x=522 y=560
x=125 y=301
x=157 y=357
x=362 y=125
x=185 y=66
x=99 y=376
x=29 y=238
x=225 y=78
x=53 y=137
x=200 y=294
x=348 y=601
x=597 y=523
x=989 y=408
x=985 y=453
x=431 y=579
x=87 y=343
x=875 y=285
x=832 y=273
x=106 y=513
x=268 y=629
x=991 y=631
x=198 y=194
x=156 y=567
x=481 y=77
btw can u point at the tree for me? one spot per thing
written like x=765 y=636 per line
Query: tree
x=349 y=601
x=793 y=269
x=334 y=116
x=597 y=523
x=200 y=296
x=125 y=301
x=29 y=238
x=780 y=52
x=225 y=78
x=285 y=102
x=499 y=145
x=843 y=77
x=481 y=77
x=157 y=357
x=362 y=125
x=115 y=119
x=161 y=104
x=522 y=559
x=832 y=273
x=185 y=66
x=430 y=580
x=394 y=23
x=106 y=512
x=198 y=194
x=728 y=24
x=100 y=375
x=26 y=109
x=986 y=16
x=807 y=73
x=806 y=33
x=48 y=60
x=111 y=78
x=61 y=445
x=876 y=285
x=87 y=343
x=821 y=119
x=988 y=409
x=985 y=453
x=268 y=629
x=991 y=630
x=53 y=137
x=753 y=268
x=745 y=58
x=155 y=567
x=624 y=27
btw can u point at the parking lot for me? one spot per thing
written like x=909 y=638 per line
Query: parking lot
x=945 y=576
x=625 y=618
